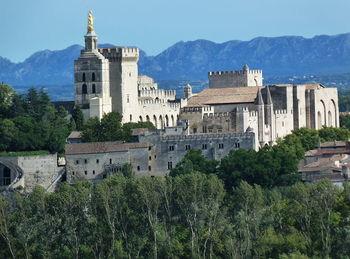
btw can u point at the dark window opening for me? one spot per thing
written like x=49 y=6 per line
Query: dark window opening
x=85 y=161
x=221 y=146
x=138 y=168
x=149 y=148
x=93 y=171
x=150 y=158
x=85 y=172
x=188 y=147
x=170 y=165
x=93 y=77
x=110 y=161
x=93 y=88
x=73 y=173
x=149 y=168
x=84 y=78
x=171 y=148
x=204 y=146
x=97 y=161
x=77 y=162
x=84 y=89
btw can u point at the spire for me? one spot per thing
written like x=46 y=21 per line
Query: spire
x=269 y=99
x=90 y=37
x=90 y=25
x=260 y=99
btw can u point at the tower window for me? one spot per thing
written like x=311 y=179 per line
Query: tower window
x=221 y=146
x=93 y=88
x=84 y=89
x=84 y=77
x=93 y=78
x=204 y=146
x=170 y=165
x=188 y=147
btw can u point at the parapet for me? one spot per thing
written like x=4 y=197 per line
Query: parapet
x=236 y=137
x=236 y=72
x=282 y=111
x=114 y=53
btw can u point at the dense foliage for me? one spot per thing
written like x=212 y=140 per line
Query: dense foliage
x=110 y=128
x=186 y=216
x=29 y=122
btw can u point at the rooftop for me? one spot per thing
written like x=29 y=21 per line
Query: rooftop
x=101 y=147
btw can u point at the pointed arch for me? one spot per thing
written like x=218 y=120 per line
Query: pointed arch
x=161 y=126
x=166 y=121
x=147 y=118
x=84 y=89
x=140 y=119
x=155 y=121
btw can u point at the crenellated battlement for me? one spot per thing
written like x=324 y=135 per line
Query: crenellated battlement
x=236 y=137
x=284 y=111
x=236 y=72
x=217 y=115
x=174 y=105
x=157 y=93
x=113 y=53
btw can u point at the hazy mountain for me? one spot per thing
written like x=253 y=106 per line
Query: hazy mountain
x=278 y=56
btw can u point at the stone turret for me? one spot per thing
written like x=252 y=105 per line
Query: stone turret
x=187 y=91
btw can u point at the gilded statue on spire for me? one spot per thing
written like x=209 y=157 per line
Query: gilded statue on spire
x=90 y=26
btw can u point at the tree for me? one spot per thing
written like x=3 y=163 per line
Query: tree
x=194 y=161
x=332 y=134
x=8 y=132
x=78 y=118
x=6 y=95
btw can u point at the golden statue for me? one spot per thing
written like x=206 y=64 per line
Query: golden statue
x=90 y=26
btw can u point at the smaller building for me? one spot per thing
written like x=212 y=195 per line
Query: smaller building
x=97 y=160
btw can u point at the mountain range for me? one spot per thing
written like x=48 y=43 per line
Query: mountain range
x=191 y=60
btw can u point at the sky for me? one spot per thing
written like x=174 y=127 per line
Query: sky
x=28 y=26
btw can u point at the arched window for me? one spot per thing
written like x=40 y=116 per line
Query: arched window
x=93 y=77
x=140 y=119
x=84 y=90
x=130 y=117
x=93 y=88
x=84 y=77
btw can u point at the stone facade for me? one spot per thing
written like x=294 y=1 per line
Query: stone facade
x=28 y=171
x=154 y=153
x=271 y=112
x=106 y=79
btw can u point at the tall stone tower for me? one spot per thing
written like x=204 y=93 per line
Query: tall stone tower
x=123 y=73
x=91 y=77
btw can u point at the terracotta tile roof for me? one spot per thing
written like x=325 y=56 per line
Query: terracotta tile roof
x=101 y=147
x=333 y=144
x=75 y=134
x=139 y=131
x=224 y=95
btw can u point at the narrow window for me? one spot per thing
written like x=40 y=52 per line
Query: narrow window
x=170 y=165
x=93 y=88
x=188 y=147
x=155 y=156
x=85 y=161
x=138 y=168
x=171 y=148
x=84 y=89
x=130 y=118
x=73 y=173
x=85 y=172
x=149 y=168
x=84 y=78
x=93 y=171
x=110 y=161
x=97 y=161
x=150 y=158
x=204 y=146
x=221 y=146
x=149 y=148
x=93 y=77
x=77 y=162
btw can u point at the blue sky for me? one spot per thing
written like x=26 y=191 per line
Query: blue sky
x=28 y=26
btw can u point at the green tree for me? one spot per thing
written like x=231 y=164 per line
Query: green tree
x=6 y=95
x=78 y=118
x=331 y=134
x=194 y=161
